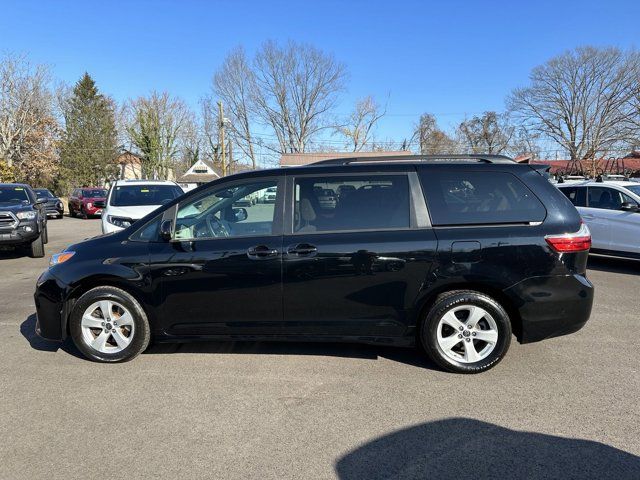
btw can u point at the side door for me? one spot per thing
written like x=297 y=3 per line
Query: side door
x=354 y=263
x=221 y=272
x=73 y=200
x=598 y=215
x=624 y=225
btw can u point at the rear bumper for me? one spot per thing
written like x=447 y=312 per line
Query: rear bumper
x=551 y=306
x=50 y=303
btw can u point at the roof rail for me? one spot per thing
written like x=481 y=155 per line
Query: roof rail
x=472 y=157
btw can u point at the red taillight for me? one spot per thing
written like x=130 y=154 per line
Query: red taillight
x=571 y=242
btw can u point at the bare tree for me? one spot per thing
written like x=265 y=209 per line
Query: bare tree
x=359 y=128
x=25 y=102
x=234 y=85
x=155 y=125
x=296 y=88
x=581 y=99
x=490 y=133
x=431 y=139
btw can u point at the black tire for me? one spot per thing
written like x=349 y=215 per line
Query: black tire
x=142 y=335
x=72 y=212
x=36 y=248
x=59 y=216
x=45 y=235
x=448 y=301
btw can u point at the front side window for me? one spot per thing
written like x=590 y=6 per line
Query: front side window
x=135 y=195
x=243 y=210
x=474 y=197
x=633 y=189
x=341 y=203
x=577 y=195
x=605 y=198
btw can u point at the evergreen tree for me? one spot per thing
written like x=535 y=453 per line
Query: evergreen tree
x=89 y=143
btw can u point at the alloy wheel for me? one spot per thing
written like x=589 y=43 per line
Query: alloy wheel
x=467 y=334
x=107 y=326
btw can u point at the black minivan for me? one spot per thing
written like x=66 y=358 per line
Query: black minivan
x=452 y=254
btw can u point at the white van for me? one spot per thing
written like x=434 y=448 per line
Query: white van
x=130 y=200
x=611 y=210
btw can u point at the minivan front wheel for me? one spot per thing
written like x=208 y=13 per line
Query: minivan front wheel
x=466 y=332
x=108 y=325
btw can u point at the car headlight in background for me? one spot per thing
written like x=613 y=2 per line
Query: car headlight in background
x=89 y=204
x=60 y=205
x=58 y=258
x=29 y=215
x=119 y=221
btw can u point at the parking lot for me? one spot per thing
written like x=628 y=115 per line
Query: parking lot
x=566 y=407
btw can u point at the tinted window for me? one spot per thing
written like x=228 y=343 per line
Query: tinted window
x=133 y=195
x=94 y=193
x=43 y=193
x=634 y=188
x=607 y=198
x=473 y=197
x=577 y=195
x=14 y=195
x=243 y=210
x=334 y=203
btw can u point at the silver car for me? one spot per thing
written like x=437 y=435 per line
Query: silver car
x=611 y=210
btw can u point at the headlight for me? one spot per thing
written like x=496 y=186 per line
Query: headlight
x=30 y=215
x=60 y=205
x=119 y=221
x=59 y=258
x=89 y=204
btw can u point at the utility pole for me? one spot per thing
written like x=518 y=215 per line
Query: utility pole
x=221 y=136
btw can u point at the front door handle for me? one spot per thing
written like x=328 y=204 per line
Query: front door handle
x=302 y=249
x=260 y=252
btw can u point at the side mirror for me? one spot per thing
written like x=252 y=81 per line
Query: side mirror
x=629 y=207
x=99 y=204
x=41 y=200
x=166 y=228
x=240 y=214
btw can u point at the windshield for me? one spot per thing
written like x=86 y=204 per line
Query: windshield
x=44 y=193
x=633 y=188
x=14 y=195
x=134 y=195
x=94 y=193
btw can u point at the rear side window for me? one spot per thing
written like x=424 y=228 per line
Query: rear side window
x=474 y=197
x=577 y=195
x=341 y=203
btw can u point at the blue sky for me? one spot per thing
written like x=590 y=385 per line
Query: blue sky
x=451 y=58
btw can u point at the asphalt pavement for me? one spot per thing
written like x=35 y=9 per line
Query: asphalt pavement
x=563 y=408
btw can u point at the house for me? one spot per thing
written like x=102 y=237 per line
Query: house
x=203 y=171
x=129 y=165
x=297 y=159
x=628 y=165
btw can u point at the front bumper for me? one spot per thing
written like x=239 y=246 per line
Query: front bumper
x=551 y=306
x=24 y=232
x=51 y=314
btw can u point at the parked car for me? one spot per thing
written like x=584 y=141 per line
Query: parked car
x=53 y=206
x=452 y=254
x=23 y=219
x=83 y=201
x=269 y=195
x=611 y=209
x=130 y=200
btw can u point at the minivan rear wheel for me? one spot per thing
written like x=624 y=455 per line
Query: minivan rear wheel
x=108 y=325
x=466 y=331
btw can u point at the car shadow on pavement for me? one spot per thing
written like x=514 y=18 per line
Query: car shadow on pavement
x=458 y=448
x=410 y=356
x=28 y=331
x=614 y=265
x=8 y=253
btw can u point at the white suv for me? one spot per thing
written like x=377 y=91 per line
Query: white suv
x=130 y=200
x=611 y=209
